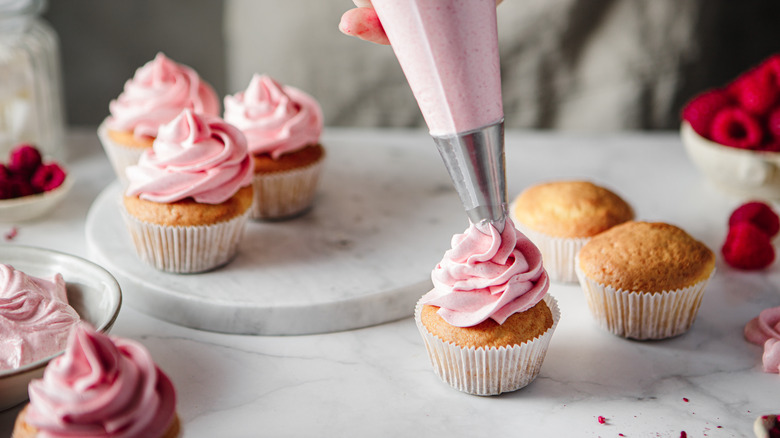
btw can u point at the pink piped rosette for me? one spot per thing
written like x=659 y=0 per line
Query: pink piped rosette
x=157 y=93
x=764 y=330
x=487 y=274
x=102 y=387
x=198 y=157
x=278 y=120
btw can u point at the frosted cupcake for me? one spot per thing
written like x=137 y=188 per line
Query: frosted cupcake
x=561 y=216
x=157 y=93
x=644 y=280
x=189 y=197
x=488 y=321
x=35 y=317
x=282 y=126
x=101 y=387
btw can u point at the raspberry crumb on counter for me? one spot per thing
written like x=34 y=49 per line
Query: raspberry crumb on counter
x=602 y=419
x=11 y=233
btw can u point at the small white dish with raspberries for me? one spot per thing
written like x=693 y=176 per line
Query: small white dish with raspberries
x=30 y=187
x=732 y=133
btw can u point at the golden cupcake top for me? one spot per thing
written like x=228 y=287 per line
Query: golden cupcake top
x=517 y=329
x=647 y=257
x=188 y=212
x=570 y=209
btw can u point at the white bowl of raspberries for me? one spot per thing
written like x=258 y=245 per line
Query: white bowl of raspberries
x=732 y=133
x=29 y=186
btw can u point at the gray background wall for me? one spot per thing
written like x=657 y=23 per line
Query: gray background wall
x=637 y=61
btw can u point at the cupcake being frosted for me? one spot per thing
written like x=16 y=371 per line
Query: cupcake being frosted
x=283 y=126
x=488 y=320
x=156 y=94
x=188 y=198
x=101 y=387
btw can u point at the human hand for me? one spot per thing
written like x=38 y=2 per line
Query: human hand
x=363 y=23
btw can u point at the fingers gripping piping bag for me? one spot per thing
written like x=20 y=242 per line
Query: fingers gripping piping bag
x=448 y=50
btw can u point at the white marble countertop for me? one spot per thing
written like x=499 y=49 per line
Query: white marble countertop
x=377 y=381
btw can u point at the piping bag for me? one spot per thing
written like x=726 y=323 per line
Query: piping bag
x=448 y=50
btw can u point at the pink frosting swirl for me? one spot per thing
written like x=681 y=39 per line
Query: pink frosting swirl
x=157 y=93
x=765 y=330
x=193 y=156
x=487 y=274
x=275 y=119
x=101 y=387
x=34 y=317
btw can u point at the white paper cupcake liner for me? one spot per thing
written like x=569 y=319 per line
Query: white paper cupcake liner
x=642 y=315
x=186 y=250
x=488 y=371
x=284 y=194
x=119 y=156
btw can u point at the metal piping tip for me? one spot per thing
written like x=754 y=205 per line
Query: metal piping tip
x=475 y=162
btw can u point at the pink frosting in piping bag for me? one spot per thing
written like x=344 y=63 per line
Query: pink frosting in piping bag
x=487 y=274
x=194 y=156
x=101 y=387
x=35 y=317
x=765 y=330
x=275 y=119
x=157 y=93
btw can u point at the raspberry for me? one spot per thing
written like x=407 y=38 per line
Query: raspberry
x=701 y=110
x=4 y=173
x=47 y=177
x=748 y=247
x=773 y=122
x=756 y=90
x=772 y=66
x=758 y=214
x=24 y=160
x=738 y=128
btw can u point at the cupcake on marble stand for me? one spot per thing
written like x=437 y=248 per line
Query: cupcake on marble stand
x=488 y=321
x=189 y=197
x=154 y=96
x=282 y=125
x=100 y=387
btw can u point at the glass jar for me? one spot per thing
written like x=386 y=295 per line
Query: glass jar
x=31 y=100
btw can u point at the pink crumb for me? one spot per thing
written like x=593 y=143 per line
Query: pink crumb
x=11 y=233
x=683 y=434
x=685 y=399
x=602 y=420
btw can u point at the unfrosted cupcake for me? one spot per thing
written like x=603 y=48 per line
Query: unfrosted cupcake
x=189 y=197
x=561 y=216
x=488 y=321
x=157 y=93
x=283 y=126
x=100 y=387
x=644 y=280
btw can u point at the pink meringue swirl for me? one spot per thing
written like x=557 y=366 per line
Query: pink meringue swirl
x=35 y=317
x=157 y=93
x=765 y=330
x=487 y=274
x=101 y=387
x=194 y=156
x=275 y=119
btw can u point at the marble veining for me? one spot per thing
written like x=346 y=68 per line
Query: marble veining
x=376 y=381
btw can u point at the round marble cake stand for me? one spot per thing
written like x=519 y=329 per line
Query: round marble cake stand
x=383 y=217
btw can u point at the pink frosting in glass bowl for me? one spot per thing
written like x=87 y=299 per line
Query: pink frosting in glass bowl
x=156 y=94
x=103 y=387
x=196 y=156
x=276 y=119
x=35 y=317
x=487 y=274
x=764 y=330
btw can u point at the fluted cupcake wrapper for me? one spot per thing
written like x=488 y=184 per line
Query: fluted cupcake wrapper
x=186 y=249
x=642 y=315
x=488 y=371
x=558 y=253
x=120 y=156
x=286 y=193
